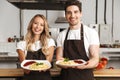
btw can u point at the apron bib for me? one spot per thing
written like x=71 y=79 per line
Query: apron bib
x=74 y=49
x=36 y=75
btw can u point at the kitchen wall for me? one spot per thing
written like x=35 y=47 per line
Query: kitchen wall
x=116 y=20
x=9 y=21
x=9 y=17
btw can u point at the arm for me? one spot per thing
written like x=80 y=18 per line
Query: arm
x=94 y=58
x=51 y=52
x=21 y=55
x=59 y=53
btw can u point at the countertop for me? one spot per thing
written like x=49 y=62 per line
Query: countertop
x=107 y=73
x=97 y=73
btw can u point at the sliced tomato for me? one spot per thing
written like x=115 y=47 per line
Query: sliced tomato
x=104 y=62
x=100 y=66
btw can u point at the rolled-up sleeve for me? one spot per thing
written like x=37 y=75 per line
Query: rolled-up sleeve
x=21 y=45
x=59 y=40
x=51 y=42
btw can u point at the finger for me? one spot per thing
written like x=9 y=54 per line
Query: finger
x=86 y=63
x=74 y=67
x=40 y=70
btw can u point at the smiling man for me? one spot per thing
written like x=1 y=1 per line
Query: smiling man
x=77 y=42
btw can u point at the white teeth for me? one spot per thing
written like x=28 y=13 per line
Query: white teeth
x=72 y=19
x=37 y=30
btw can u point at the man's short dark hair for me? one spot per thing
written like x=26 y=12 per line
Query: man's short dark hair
x=73 y=2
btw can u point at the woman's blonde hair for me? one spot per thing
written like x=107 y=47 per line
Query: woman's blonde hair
x=29 y=38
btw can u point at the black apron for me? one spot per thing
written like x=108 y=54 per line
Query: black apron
x=74 y=49
x=36 y=75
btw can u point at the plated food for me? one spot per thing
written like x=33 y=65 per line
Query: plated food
x=36 y=64
x=70 y=63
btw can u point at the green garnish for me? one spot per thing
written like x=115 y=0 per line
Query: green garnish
x=39 y=64
x=66 y=59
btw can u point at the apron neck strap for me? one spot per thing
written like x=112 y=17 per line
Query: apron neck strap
x=82 y=32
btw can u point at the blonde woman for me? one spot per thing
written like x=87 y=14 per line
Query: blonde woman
x=37 y=45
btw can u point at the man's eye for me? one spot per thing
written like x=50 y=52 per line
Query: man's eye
x=68 y=12
x=76 y=11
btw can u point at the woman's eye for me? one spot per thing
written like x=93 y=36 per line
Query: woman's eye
x=34 y=23
x=41 y=24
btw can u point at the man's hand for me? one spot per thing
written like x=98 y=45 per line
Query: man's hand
x=81 y=66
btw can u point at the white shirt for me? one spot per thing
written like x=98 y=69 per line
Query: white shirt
x=90 y=37
x=36 y=46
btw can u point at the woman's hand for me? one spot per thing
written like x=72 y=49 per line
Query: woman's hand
x=44 y=70
x=26 y=71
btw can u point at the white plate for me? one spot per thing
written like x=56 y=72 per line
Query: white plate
x=38 y=61
x=70 y=65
